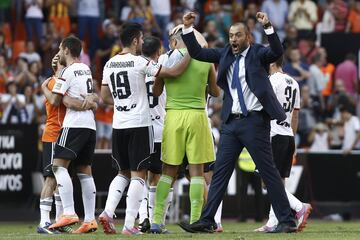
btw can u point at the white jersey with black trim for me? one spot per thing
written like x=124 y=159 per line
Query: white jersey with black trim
x=125 y=76
x=76 y=81
x=287 y=92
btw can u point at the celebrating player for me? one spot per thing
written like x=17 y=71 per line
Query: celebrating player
x=77 y=138
x=55 y=116
x=186 y=127
x=124 y=86
x=282 y=140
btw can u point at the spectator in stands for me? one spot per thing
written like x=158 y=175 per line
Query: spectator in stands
x=353 y=24
x=136 y=14
x=308 y=48
x=296 y=68
x=4 y=74
x=277 y=11
x=336 y=132
x=162 y=12
x=351 y=129
x=327 y=23
x=33 y=20
x=255 y=33
x=251 y=10
x=31 y=106
x=107 y=41
x=319 y=138
x=13 y=105
x=306 y=116
x=30 y=54
x=211 y=32
x=4 y=48
x=317 y=82
x=58 y=13
x=104 y=116
x=340 y=98
x=303 y=14
x=340 y=10
x=347 y=72
x=328 y=69
x=291 y=37
x=50 y=48
x=22 y=75
x=222 y=19
x=89 y=21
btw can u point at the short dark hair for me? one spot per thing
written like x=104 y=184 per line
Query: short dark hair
x=73 y=44
x=129 y=32
x=150 y=46
x=243 y=24
x=279 y=62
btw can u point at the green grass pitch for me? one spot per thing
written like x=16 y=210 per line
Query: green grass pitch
x=315 y=230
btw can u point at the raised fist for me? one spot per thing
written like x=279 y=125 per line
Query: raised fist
x=262 y=18
x=189 y=19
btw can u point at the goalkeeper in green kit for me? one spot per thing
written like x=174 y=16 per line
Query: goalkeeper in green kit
x=186 y=128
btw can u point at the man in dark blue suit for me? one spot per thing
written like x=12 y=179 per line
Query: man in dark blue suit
x=249 y=104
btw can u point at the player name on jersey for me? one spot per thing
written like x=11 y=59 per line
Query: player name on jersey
x=127 y=64
x=82 y=72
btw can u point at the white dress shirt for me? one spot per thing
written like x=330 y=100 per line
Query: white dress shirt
x=251 y=101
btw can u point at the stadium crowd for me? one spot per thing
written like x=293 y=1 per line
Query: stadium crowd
x=31 y=30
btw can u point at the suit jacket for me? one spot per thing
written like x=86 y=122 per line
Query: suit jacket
x=257 y=63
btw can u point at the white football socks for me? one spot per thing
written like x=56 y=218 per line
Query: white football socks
x=66 y=190
x=135 y=195
x=295 y=203
x=116 y=190
x=152 y=194
x=218 y=213
x=143 y=210
x=45 y=209
x=58 y=205
x=88 y=190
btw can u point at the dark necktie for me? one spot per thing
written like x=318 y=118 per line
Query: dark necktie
x=237 y=84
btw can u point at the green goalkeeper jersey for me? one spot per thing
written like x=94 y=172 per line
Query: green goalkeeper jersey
x=187 y=91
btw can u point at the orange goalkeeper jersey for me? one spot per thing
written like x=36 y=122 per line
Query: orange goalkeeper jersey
x=55 y=118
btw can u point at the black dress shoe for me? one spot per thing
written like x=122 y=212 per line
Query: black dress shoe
x=284 y=228
x=197 y=227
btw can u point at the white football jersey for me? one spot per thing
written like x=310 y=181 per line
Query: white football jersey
x=76 y=81
x=288 y=94
x=125 y=76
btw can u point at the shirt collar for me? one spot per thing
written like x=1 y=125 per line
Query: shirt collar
x=244 y=53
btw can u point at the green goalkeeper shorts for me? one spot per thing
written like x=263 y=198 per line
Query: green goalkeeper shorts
x=187 y=132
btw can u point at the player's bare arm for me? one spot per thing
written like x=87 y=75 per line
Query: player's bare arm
x=213 y=88
x=295 y=121
x=158 y=87
x=176 y=70
x=54 y=99
x=106 y=95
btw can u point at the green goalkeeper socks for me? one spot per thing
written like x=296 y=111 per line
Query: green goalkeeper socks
x=196 y=197
x=162 y=191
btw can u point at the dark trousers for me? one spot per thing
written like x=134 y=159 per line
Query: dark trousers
x=34 y=27
x=242 y=183
x=91 y=25
x=252 y=132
